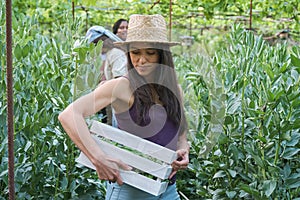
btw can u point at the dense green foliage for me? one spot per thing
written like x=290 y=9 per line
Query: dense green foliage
x=242 y=103
x=44 y=70
x=257 y=106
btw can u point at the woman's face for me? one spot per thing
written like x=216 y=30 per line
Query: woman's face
x=122 y=30
x=144 y=59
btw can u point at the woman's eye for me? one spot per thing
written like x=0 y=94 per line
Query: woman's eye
x=151 y=52
x=134 y=52
x=123 y=27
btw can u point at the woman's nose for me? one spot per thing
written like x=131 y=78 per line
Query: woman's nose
x=142 y=60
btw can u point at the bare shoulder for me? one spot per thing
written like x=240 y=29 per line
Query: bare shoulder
x=123 y=95
x=120 y=87
x=122 y=83
x=113 y=87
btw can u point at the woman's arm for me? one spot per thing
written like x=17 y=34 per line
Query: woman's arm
x=183 y=148
x=73 y=122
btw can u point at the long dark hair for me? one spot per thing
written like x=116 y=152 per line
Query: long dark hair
x=117 y=25
x=166 y=87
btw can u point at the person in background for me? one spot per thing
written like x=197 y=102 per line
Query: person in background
x=114 y=61
x=148 y=102
x=120 y=28
x=115 y=58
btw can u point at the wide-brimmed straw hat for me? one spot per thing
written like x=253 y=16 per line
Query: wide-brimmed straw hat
x=146 y=29
x=97 y=31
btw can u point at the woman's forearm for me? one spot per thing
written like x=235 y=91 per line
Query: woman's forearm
x=183 y=142
x=75 y=126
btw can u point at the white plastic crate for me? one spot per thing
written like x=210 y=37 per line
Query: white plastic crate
x=146 y=156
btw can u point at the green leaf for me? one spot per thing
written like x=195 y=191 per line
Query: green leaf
x=222 y=139
x=294 y=75
x=294 y=139
x=64 y=183
x=96 y=50
x=79 y=83
x=219 y=174
x=290 y=152
x=232 y=173
x=260 y=138
x=228 y=120
x=293 y=181
x=18 y=52
x=234 y=105
x=250 y=190
x=295 y=61
x=286 y=171
x=269 y=71
x=231 y=194
x=258 y=161
x=284 y=67
x=89 y=2
x=28 y=145
x=25 y=50
x=92 y=81
x=269 y=187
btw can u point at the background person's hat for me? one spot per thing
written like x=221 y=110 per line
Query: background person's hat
x=147 y=29
x=97 y=31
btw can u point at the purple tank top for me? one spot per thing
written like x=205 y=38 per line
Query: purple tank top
x=158 y=128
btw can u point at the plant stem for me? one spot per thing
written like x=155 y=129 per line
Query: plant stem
x=260 y=132
x=243 y=120
x=278 y=141
x=75 y=75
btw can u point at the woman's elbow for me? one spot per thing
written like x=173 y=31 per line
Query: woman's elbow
x=64 y=116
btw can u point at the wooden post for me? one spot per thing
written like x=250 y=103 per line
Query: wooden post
x=170 y=21
x=87 y=21
x=10 y=103
x=73 y=10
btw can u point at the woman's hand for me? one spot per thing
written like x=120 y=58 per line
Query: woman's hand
x=109 y=169
x=181 y=162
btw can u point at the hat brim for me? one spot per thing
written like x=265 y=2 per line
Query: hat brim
x=124 y=44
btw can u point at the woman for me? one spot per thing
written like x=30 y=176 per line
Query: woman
x=120 y=28
x=147 y=102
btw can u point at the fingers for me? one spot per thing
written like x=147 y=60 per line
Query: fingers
x=111 y=170
x=176 y=168
x=113 y=176
x=124 y=166
x=119 y=181
x=181 y=152
x=117 y=178
x=181 y=163
x=172 y=174
x=119 y=164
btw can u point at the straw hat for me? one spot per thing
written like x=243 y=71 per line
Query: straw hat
x=146 y=28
